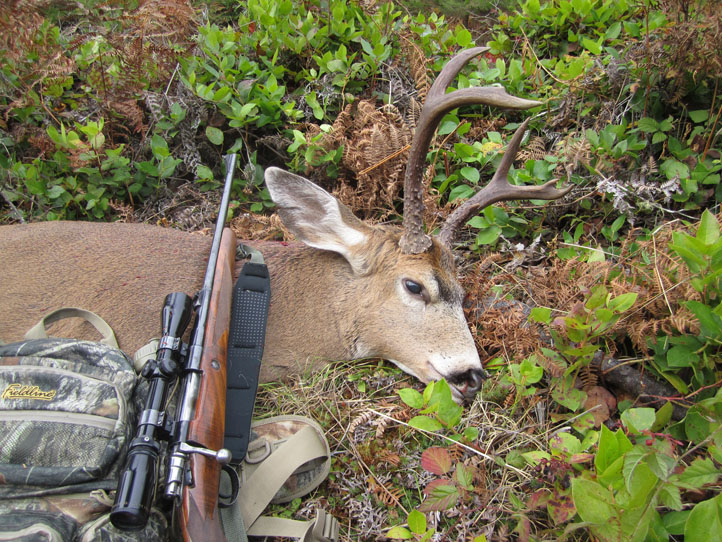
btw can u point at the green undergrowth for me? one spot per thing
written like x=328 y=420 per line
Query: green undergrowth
x=122 y=111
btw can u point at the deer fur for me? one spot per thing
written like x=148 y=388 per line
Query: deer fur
x=339 y=295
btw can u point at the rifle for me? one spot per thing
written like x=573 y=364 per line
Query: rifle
x=194 y=441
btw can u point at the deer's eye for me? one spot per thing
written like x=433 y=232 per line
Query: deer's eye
x=414 y=288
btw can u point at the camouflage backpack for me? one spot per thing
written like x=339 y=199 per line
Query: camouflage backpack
x=67 y=410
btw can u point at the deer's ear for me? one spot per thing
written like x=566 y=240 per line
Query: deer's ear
x=316 y=217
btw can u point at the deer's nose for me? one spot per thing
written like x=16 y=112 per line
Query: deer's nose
x=469 y=382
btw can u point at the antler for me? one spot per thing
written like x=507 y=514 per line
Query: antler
x=438 y=103
x=499 y=189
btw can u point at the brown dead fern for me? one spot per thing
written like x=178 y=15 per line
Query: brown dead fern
x=418 y=65
x=375 y=142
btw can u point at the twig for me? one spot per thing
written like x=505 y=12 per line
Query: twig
x=550 y=74
x=15 y=212
x=659 y=276
x=384 y=160
x=708 y=144
x=711 y=134
x=695 y=392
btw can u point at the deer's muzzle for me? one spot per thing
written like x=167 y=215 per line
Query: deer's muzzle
x=469 y=382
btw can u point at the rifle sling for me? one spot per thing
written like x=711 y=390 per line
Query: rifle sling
x=249 y=313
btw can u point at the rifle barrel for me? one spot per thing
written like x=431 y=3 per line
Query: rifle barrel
x=192 y=380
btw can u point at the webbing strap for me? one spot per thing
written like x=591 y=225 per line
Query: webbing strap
x=38 y=331
x=323 y=529
x=258 y=490
x=249 y=312
x=272 y=473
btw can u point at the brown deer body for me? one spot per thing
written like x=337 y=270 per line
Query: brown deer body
x=351 y=290
x=322 y=307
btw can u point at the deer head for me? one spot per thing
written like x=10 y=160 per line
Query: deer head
x=406 y=280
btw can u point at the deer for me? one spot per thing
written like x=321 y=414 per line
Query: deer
x=345 y=290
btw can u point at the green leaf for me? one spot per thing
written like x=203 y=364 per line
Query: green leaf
x=535 y=456
x=568 y=396
x=699 y=115
x=541 y=315
x=593 y=502
x=425 y=423
x=530 y=371
x=470 y=174
x=417 y=522
x=666 y=125
x=448 y=125
x=682 y=356
x=399 y=533
x=710 y=323
x=450 y=413
x=639 y=480
x=638 y=419
x=204 y=172
x=471 y=433
x=663 y=416
x=645 y=124
x=488 y=235
x=463 y=37
x=461 y=191
x=478 y=222
x=411 y=397
x=661 y=464
x=440 y=495
x=670 y=496
x=658 y=137
x=464 y=476
x=702 y=471
x=55 y=192
x=597 y=297
x=623 y=302
x=708 y=231
x=613 y=31
x=148 y=168
x=705 y=521
x=696 y=425
x=592 y=46
x=674 y=522
x=674 y=169
x=688 y=248
x=605 y=316
x=565 y=444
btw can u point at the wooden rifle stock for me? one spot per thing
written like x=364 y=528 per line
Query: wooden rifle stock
x=200 y=519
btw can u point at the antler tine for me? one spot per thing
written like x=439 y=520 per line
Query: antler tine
x=499 y=189
x=437 y=104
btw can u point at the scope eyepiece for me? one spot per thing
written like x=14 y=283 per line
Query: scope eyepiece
x=136 y=488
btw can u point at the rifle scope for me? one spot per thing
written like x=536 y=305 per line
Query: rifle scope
x=137 y=483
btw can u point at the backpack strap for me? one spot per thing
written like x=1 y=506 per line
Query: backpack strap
x=272 y=469
x=323 y=529
x=145 y=353
x=38 y=331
